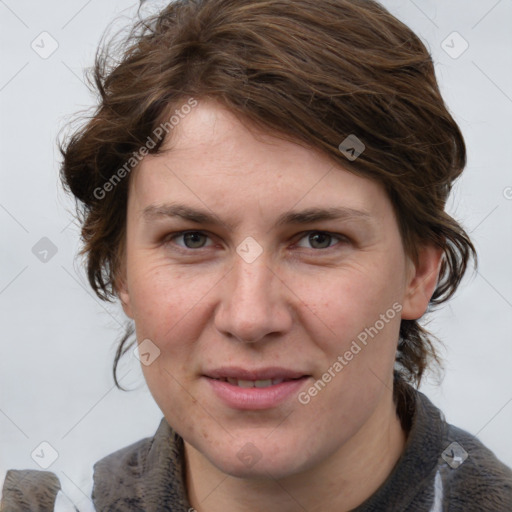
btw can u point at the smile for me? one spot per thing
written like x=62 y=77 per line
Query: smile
x=253 y=383
x=255 y=389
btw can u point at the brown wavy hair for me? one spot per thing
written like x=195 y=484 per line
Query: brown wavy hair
x=310 y=72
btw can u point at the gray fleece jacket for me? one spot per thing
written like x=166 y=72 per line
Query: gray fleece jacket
x=442 y=469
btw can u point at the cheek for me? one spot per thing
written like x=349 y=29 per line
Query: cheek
x=162 y=296
x=346 y=301
x=355 y=326
x=170 y=390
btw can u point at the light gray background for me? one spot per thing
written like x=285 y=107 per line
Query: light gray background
x=58 y=339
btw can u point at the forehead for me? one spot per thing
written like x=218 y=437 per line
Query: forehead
x=214 y=159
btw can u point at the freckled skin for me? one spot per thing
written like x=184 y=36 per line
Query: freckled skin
x=296 y=306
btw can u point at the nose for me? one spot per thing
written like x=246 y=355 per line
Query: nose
x=254 y=303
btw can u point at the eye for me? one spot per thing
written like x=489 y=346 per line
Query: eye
x=321 y=239
x=191 y=239
x=198 y=239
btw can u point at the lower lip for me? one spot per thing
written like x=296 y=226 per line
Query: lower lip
x=256 y=398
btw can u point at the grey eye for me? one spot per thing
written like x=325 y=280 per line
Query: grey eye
x=318 y=240
x=194 y=239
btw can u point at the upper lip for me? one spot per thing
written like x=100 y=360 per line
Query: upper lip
x=233 y=372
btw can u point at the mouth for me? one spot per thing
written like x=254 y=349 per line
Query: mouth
x=262 y=383
x=262 y=388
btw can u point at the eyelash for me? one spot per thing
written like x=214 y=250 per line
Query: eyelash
x=170 y=239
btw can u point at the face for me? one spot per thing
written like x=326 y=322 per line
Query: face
x=255 y=265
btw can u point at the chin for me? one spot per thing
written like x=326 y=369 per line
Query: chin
x=244 y=460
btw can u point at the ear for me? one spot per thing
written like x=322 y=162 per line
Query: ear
x=124 y=294
x=421 y=281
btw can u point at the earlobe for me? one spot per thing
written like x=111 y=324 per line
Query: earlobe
x=422 y=282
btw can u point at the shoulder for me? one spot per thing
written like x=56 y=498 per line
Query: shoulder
x=29 y=490
x=448 y=468
x=115 y=474
x=134 y=460
x=115 y=477
x=146 y=475
x=130 y=459
x=474 y=478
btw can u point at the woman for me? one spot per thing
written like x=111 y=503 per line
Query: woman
x=231 y=138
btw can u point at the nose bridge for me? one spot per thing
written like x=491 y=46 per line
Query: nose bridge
x=253 y=302
x=253 y=282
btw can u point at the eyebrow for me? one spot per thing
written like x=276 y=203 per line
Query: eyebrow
x=307 y=216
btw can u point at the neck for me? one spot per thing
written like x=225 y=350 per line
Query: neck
x=340 y=483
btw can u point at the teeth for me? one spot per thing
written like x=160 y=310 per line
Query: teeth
x=246 y=383
x=254 y=383
x=263 y=383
